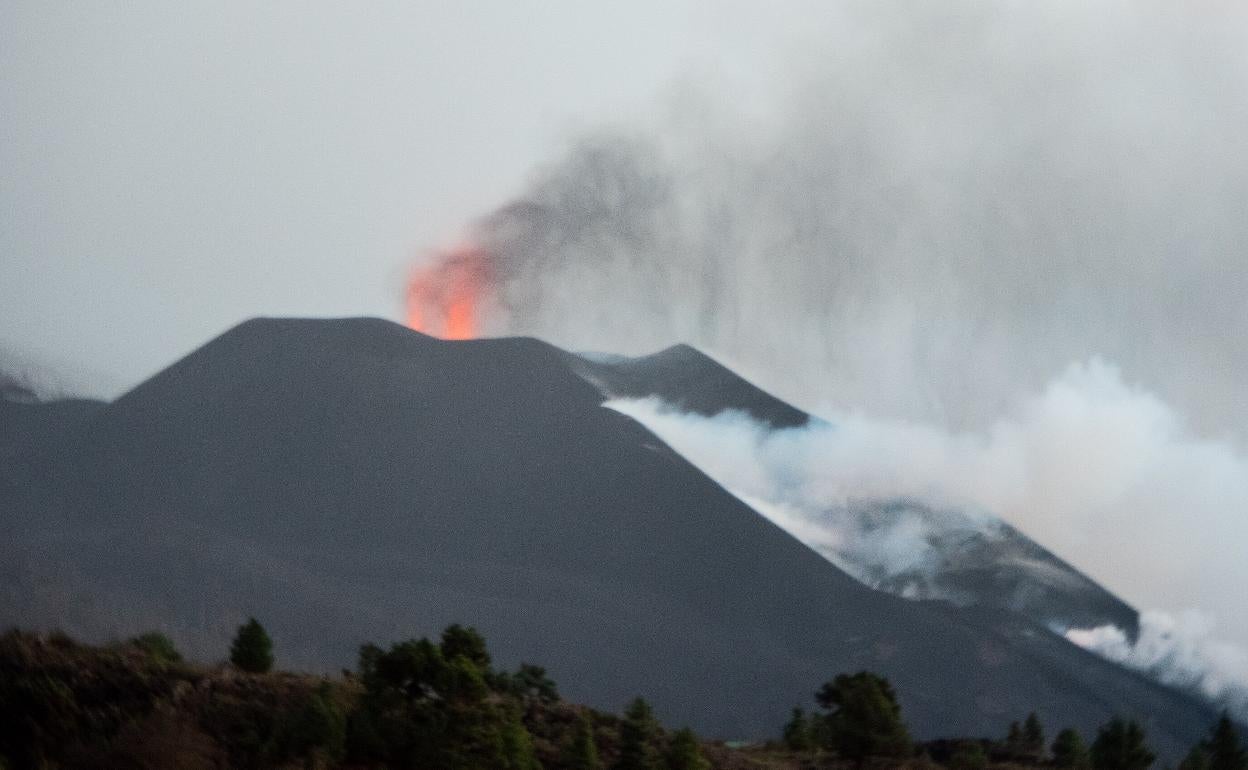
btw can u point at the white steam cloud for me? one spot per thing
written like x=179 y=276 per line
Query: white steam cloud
x=1181 y=651
x=1104 y=474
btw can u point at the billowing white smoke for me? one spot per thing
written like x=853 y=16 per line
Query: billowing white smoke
x=1178 y=650
x=1102 y=473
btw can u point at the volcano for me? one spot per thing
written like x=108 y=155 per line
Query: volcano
x=352 y=480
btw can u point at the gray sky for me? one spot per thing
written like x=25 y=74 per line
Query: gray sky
x=167 y=170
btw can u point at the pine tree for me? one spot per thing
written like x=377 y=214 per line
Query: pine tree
x=582 y=752
x=1033 y=737
x=637 y=735
x=252 y=649
x=1069 y=750
x=1120 y=745
x=1014 y=738
x=866 y=718
x=1224 y=748
x=684 y=754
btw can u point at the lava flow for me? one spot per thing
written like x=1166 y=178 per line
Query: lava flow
x=444 y=298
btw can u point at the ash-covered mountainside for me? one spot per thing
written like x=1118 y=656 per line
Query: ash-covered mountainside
x=351 y=479
x=689 y=380
x=33 y=430
x=969 y=558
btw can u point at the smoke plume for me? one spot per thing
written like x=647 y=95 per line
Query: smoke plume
x=1104 y=474
x=936 y=208
x=1180 y=651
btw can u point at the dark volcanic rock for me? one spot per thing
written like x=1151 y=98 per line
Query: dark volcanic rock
x=350 y=481
x=687 y=379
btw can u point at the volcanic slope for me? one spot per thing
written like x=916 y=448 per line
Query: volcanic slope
x=33 y=431
x=971 y=558
x=689 y=380
x=351 y=480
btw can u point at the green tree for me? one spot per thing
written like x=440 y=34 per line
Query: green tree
x=798 y=735
x=683 y=752
x=517 y=745
x=319 y=727
x=531 y=683
x=1224 y=748
x=1120 y=745
x=421 y=710
x=865 y=718
x=969 y=755
x=638 y=732
x=1069 y=750
x=252 y=649
x=582 y=752
x=466 y=642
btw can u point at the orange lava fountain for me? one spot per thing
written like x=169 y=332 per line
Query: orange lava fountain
x=444 y=299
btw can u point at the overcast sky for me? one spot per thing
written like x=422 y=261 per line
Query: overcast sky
x=169 y=169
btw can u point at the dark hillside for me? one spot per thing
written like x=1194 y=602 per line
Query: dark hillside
x=688 y=379
x=365 y=481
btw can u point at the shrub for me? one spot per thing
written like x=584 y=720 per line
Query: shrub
x=798 y=735
x=319 y=727
x=158 y=647
x=969 y=755
x=683 y=752
x=1069 y=750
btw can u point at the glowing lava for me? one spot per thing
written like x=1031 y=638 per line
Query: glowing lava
x=444 y=298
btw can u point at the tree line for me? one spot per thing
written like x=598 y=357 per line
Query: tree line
x=860 y=719
x=420 y=703
x=442 y=703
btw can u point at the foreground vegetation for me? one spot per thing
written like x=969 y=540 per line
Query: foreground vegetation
x=417 y=704
x=442 y=704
